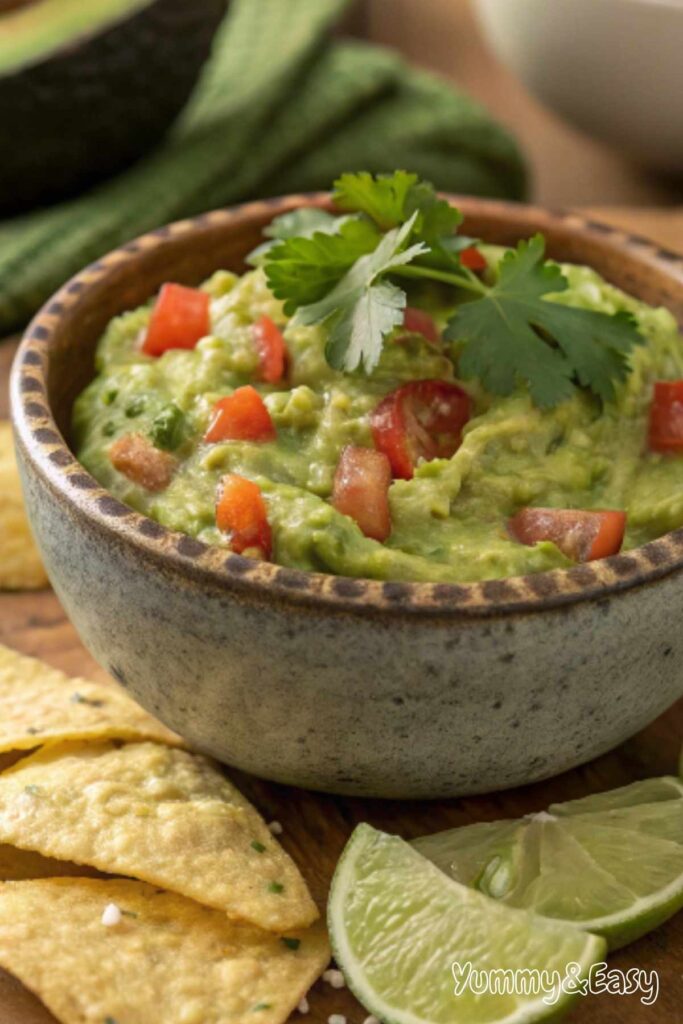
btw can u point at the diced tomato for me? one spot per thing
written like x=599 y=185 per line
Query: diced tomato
x=179 y=319
x=580 y=534
x=666 y=417
x=241 y=416
x=418 y=322
x=361 y=490
x=472 y=259
x=421 y=420
x=271 y=349
x=136 y=458
x=241 y=512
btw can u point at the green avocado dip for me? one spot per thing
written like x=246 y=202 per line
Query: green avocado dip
x=449 y=522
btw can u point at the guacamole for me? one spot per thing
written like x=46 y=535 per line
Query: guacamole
x=450 y=521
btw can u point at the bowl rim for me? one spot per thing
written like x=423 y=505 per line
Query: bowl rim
x=42 y=444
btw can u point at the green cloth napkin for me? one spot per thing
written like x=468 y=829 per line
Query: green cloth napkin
x=279 y=109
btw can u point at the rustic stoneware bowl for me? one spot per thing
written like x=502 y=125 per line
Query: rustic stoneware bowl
x=346 y=685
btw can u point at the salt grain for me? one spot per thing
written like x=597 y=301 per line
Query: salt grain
x=541 y=816
x=336 y=1018
x=334 y=978
x=371 y=1020
x=303 y=1006
x=111 y=916
x=276 y=828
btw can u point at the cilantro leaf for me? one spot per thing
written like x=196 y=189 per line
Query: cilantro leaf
x=361 y=309
x=392 y=199
x=358 y=328
x=513 y=334
x=437 y=220
x=302 y=270
x=382 y=198
x=596 y=345
x=302 y=223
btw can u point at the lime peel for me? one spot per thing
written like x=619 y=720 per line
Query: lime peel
x=399 y=927
x=610 y=863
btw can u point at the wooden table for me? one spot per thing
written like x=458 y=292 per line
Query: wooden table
x=316 y=827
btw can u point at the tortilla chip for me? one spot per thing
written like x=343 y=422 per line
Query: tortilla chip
x=17 y=865
x=168 y=959
x=40 y=705
x=20 y=564
x=159 y=814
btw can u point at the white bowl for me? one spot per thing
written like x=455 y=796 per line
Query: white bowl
x=612 y=67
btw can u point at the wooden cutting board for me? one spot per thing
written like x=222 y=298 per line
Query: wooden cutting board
x=316 y=827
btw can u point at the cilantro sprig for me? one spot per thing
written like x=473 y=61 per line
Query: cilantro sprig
x=514 y=333
x=364 y=306
x=302 y=270
x=345 y=272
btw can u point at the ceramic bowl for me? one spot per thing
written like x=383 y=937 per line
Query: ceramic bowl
x=612 y=67
x=345 y=685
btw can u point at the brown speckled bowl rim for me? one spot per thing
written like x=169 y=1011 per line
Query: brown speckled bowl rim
x=220 y=571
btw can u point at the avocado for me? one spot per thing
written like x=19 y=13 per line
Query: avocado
x=87 y=87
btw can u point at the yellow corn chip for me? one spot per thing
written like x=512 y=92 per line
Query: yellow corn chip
x=162 y=958
x=20 y=564
x=40 y=705
x=159 y=814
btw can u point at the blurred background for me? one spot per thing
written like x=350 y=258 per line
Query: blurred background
x=569 y=167
x=119 y=116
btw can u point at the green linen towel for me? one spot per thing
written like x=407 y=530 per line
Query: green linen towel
x=279 y=109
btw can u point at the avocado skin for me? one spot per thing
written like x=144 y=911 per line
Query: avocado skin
x=91 y=108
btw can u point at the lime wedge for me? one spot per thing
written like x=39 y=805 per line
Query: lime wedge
x=610 y=864
x=408 y=940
